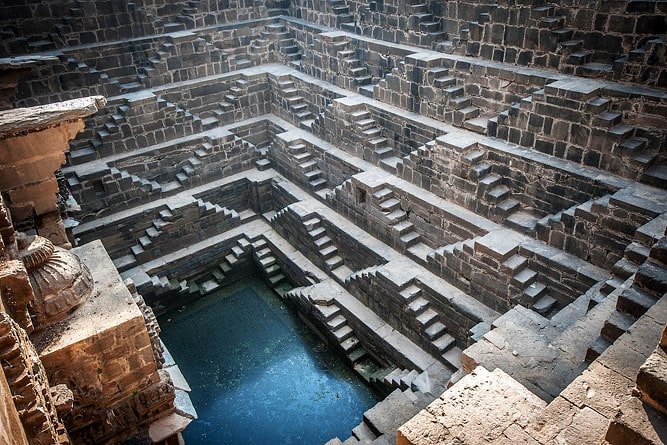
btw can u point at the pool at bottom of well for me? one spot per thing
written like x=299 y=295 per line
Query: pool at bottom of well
x=258 y=374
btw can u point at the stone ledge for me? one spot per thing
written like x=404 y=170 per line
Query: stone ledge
x=26 y=120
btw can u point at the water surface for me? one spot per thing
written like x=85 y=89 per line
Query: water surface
x=258 y=375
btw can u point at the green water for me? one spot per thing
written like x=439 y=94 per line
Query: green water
x=258 y=375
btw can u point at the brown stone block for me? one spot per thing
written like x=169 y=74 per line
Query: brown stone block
x=546 y=426
x=599 y=388
x=637 y=424
x=652 y=380
x=41 y=197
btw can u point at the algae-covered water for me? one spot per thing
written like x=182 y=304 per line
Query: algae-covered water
x=258 y=375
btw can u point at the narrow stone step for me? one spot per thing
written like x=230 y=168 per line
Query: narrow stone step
x=616 y=325
x=336 y=322
x=410 y=293
x=418 y=306
x=444 y=342
x=435 y=330
x=544 y=305
x=427 y=317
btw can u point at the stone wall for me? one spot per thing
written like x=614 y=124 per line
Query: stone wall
x=462 y=92
x=502 y=270
x=37 y=25
x=496 y=184
x=585 y=123
x=435 y=225
x=370 y=133
x=289 y=150
x=573 y=37
x=144 y=62
x=135 y=181
x=292 y=224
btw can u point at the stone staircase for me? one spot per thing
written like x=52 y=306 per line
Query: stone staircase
x=535 y=294
x=217 y=278
x=92 y=74
x=193 y=163
x=108 y=134
x=421 y=323
x=647 y=288
x=289 y=50
x=616 y=141
x=338 y=329
x=495 y=196
x=309 y=169
x=442 y=344
x=328 y=252
x=409 y=389
x=91 y=149
x=633 y=257
x=466 y=114
x=295 y=103
x=380 y=150
x=352 y=65
x=342 y=13
x=267 y=262
x=153 y=72
x=402 y=230
x=223 y=112
x=380 y=423
x=625 y=255
x=156 y=238
x=642 y=62
x=138 y=251
x=514 y=269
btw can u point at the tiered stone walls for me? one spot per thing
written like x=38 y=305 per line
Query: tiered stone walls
x=144 y=62
x=322 y=12
x=289 y=150
x=225 y=99
x=584 y=122
x=291 y=224
x=435 y=225
x=456 y=91
x=623 y=41
x=602 y=230
x=299 y=102
x=500 y=272
x=201 y=13
x=390 y=297
x=573 y=37
x=138 y=238
x=37 y=25
x=373 y=134
x=493 y=183
x=378 y=58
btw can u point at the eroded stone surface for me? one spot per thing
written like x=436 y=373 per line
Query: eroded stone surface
x=477 y=409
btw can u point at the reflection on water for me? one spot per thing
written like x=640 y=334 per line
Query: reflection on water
x=258 y=375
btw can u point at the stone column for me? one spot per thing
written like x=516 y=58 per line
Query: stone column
x=33 y=142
